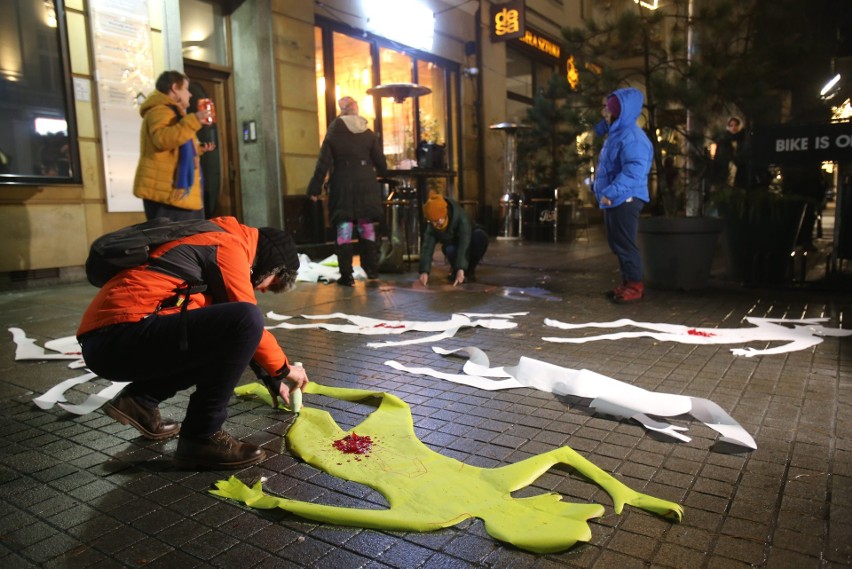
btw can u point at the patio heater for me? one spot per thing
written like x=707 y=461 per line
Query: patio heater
x=511 y=204
x=402 y=205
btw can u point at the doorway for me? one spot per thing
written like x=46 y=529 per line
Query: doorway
x=220 y=167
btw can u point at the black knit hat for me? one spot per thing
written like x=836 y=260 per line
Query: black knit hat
x=275 y=250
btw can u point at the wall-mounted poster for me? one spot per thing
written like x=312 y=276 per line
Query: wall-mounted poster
x=124 y=75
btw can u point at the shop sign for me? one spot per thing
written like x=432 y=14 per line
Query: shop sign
x=781 y=144
x=541 y=43
x=507 y=20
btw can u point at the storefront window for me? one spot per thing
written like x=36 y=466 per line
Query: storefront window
x=433 y=112
x=352 y=76
x=353 y=68
x=322 y=115
x=358 y=61
x=519 y=74
x=38 y=137
x=397 y=117
x=525 y=76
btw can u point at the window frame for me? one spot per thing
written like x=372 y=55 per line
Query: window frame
x=66 y=81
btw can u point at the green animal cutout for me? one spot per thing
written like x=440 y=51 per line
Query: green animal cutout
x=428 y=491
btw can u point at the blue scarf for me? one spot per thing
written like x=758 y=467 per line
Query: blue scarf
x=185 y=173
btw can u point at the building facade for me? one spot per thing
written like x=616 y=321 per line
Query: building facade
x=275 y=69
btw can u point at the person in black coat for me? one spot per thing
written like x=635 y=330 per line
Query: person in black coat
x=353 y=155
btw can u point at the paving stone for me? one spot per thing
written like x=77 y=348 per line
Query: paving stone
x=88 y=492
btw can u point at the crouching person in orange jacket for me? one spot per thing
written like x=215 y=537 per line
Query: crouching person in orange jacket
x=189 y=317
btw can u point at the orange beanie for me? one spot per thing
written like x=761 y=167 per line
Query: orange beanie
x=435 y=207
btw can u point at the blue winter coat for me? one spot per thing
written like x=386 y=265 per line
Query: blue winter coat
x=626 y=156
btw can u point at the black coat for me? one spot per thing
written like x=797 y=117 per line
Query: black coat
x=354 y=159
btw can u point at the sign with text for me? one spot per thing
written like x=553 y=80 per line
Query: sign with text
x=124 y=73
x=541 y=44
x=783 y=144
x=507 y=20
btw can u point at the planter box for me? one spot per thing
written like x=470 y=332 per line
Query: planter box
x=678 y=251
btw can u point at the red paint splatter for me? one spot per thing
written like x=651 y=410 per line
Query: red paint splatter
x=354 y=444
x=695 y=332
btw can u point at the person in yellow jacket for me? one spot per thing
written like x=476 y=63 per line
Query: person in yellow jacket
x=168 y=177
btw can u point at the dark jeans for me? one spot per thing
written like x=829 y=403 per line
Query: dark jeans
x=475 y=251
x=157 y=209
x=622 y=227
x=222 y=340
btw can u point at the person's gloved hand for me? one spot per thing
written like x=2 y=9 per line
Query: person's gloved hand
x=282 y=383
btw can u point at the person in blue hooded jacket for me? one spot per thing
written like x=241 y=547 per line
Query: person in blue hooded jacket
x=621 y=186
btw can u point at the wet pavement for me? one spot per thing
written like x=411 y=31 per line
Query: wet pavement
x=87 y=492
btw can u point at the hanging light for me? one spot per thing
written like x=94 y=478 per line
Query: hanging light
x=650 y=5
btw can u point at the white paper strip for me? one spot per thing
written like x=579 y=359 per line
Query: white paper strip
x=57 y=393
x=96 y=400
x=60 y=349
x=376 y=327
x=803 y=334
x=609 y=396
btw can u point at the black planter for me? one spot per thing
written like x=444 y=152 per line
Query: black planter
x=678 y=251
x=759 y=242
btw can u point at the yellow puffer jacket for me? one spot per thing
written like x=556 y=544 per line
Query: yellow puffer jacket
x=163 y=133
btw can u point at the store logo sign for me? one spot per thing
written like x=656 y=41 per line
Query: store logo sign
x=542 y=44
x=507 y=20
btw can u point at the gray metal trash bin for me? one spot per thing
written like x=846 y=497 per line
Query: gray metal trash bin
x=542 y=214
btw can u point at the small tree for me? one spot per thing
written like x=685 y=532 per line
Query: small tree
x=759 y=59
x=548 y=152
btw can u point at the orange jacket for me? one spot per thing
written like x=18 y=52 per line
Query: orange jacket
x=163 y=133
x=222 y=260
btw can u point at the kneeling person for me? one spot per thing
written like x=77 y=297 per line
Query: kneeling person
x=189 y=317
x=463 y=244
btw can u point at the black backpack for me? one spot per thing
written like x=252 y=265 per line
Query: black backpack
x=131 y=246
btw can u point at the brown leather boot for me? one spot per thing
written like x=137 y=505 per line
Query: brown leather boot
x=147 y=421
x=218 y=451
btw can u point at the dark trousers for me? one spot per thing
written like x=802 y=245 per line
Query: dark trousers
x=475 y=251
x=622 y=228
x=222 y=340
x=157 y=209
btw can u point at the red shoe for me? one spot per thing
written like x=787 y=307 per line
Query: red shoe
x=632 y=292
x=617 y=291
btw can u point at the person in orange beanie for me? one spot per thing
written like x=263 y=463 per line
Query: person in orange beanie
x=462 y=243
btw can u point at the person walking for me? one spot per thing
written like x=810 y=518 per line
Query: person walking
x=168 y=176
x=621 y=186
x=189 y=317
x=354 y=156
x=463 y=244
